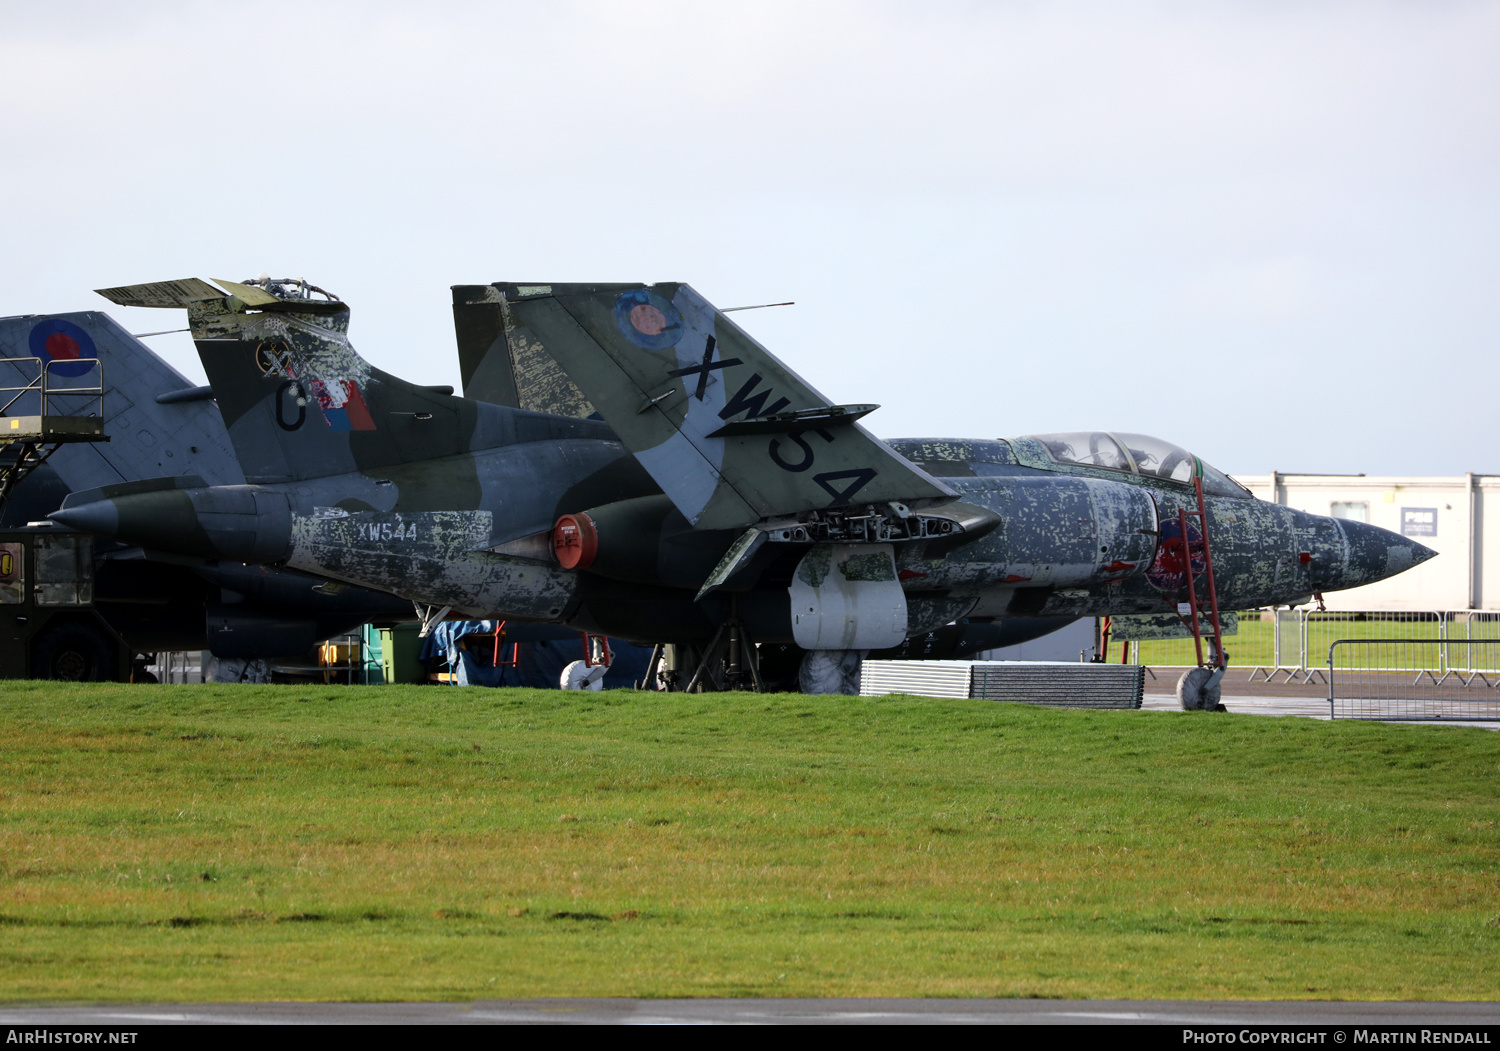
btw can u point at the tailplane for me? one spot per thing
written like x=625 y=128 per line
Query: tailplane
x=297 y=399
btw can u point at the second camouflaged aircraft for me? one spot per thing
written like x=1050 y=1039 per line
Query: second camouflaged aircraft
x=719 y=489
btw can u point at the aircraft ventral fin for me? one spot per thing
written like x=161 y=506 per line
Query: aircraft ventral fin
x=730 y=433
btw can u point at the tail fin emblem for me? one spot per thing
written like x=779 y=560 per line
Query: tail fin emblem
x=648 y=320
x=342 y=404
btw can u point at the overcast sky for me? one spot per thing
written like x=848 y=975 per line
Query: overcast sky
x=1269 y=231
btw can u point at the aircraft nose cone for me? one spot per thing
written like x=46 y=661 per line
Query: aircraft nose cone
x=240 y=522
x=1375 y=554
x=99 y=517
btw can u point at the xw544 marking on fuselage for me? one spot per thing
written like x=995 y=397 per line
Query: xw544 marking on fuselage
x=374 y=531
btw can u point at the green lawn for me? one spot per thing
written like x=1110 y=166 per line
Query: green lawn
x=248 y=842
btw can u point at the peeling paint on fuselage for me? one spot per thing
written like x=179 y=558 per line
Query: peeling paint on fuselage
x=433 y=557
x=1070 y=543
x=1263 y=554
x=399 y=532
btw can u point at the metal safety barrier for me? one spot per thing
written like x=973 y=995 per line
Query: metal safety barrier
x=69 y=387
x=1410 y=679
x=1292 y=645
x=1053 y=684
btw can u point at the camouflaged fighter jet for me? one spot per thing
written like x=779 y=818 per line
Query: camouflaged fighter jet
x=159 y=424
x=370 y=479
x=358 y=476
x=846 y=543
x=719 y=493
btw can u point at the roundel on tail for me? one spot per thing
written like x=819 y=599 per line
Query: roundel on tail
x=61 y=344
x=648 y=320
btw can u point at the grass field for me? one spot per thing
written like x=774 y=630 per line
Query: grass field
x=194 y=843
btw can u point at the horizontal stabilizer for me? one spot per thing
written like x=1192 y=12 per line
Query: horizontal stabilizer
x=182 y=293
x=785 y=422
x=249 y=294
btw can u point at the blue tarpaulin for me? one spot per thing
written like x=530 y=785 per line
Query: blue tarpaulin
x=539 y=663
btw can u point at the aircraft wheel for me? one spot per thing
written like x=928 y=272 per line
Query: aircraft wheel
x=72 y=653
x=579 y=676
x=238 y=670
x=821 y=672
x=1195 y=695
x=831 y=671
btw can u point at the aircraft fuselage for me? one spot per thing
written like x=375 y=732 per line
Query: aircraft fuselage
x=1070 y=541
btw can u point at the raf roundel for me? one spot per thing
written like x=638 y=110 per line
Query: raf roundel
x=61 y=344
x=648 y=320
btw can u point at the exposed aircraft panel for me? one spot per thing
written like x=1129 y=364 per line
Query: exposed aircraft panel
x=162 y=293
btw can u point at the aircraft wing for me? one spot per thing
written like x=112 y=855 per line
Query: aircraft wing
x=730 y=433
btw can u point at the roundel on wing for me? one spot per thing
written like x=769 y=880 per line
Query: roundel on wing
x=61 y=344
x=648 y=320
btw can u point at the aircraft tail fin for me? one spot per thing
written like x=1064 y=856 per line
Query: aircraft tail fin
x=503 y=362
x=158 y=422
x=730 y=433
x=297 y=399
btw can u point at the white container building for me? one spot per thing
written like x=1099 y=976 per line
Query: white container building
x=1445 y=514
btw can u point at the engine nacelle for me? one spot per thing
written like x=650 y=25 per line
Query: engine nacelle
x=645 y=541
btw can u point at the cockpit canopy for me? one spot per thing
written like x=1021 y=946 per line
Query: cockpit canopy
x=1137 y=454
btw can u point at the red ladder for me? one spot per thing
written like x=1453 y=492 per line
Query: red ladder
x=1196 y=608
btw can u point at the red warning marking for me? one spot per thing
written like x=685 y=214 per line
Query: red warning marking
x=909 y=574
x=575 y=541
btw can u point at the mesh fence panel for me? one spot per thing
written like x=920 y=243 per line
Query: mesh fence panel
x=1414 y=678
x=1293 y=645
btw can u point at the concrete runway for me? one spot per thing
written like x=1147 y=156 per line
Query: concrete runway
x=1452 y=1016
x=1310 y=702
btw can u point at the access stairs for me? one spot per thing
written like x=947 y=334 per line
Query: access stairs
x=55 y=404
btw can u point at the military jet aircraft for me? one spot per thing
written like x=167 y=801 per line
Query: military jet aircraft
x=356 y=475
x=719 y=490
x=1044 y=526
x=160 y=424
